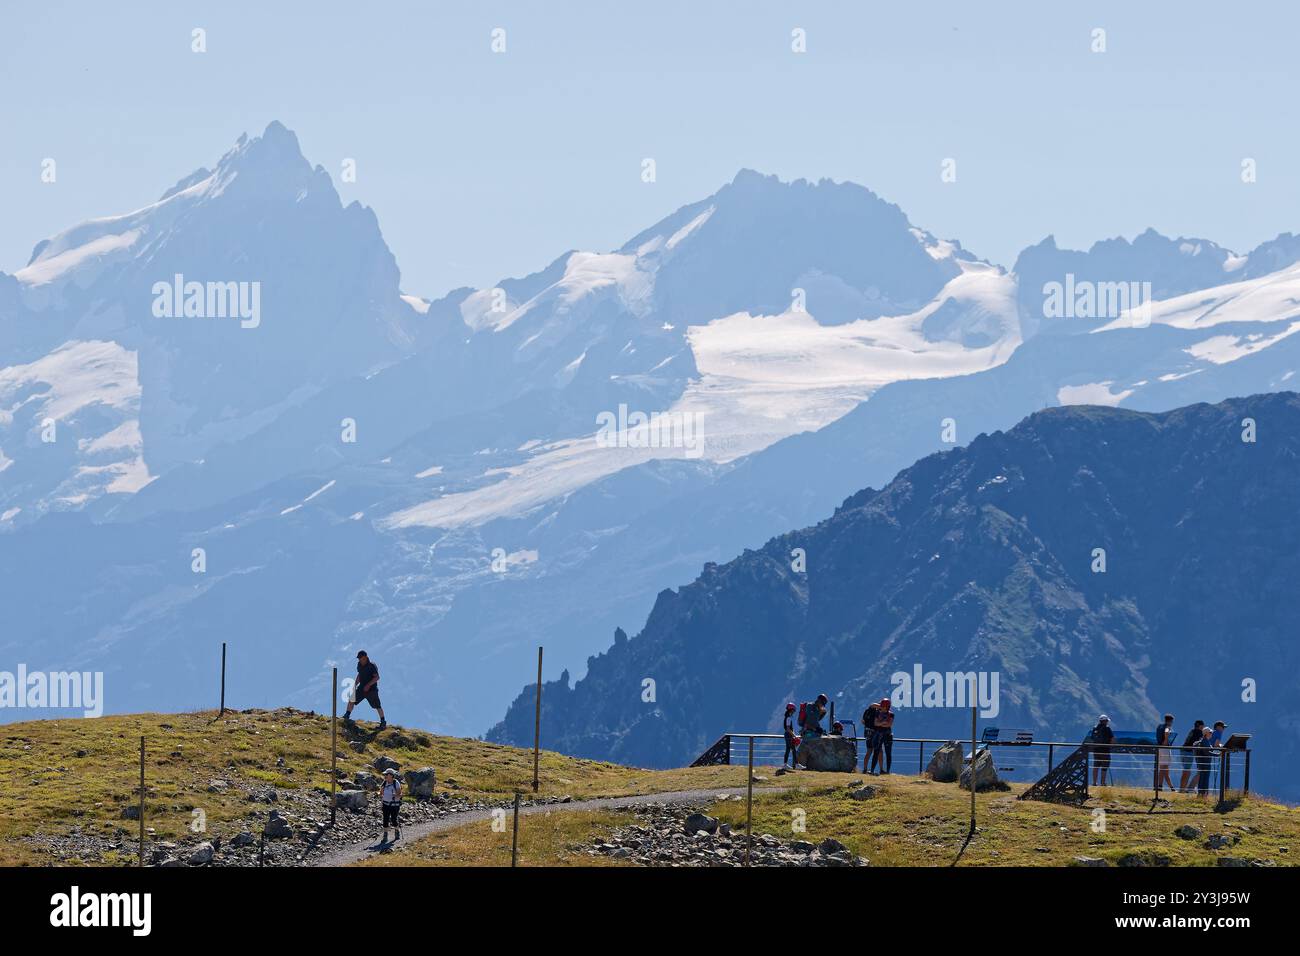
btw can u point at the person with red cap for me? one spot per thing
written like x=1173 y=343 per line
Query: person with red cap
x=882 y=749
x=791 y=741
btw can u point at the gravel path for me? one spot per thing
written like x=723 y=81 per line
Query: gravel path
x=355 y=852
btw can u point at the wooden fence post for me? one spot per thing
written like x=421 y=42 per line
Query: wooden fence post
x=334 y=750
x=537 y=724
x=514 y=842
x=749 y=806
x=142 y=801
x=973 y=713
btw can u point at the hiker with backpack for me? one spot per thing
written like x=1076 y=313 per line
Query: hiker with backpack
x=390 y=802
x=882 y=751
x=869 y=733
x=366 y=688
x=810 y=716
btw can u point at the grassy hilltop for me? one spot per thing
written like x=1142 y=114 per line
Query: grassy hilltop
x=60 y=779
x=57 y=776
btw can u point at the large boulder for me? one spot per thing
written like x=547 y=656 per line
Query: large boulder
x=350 y=799
x=986 y=776
x=945 y=765
x=383 y=763
x=831 y=754
x=419 y=783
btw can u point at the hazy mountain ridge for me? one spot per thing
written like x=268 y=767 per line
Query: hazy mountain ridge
x=821 y=335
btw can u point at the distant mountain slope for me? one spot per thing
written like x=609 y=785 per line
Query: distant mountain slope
x=980 y=558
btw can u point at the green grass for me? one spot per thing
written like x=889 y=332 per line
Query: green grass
x=915 y=822
x=545 y=839
x=46 y=788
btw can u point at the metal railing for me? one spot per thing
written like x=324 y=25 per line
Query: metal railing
x=1131 y=765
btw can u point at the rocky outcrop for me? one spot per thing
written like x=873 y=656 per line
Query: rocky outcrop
x=420 y=783
x=946 y=764
x=354 y=800
x=986 y=776
x=831 y=754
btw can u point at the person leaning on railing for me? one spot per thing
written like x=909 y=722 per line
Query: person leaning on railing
x=1185 y=755
x=1101 y=734
x=1204 y=749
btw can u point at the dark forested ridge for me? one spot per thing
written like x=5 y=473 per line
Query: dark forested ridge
x=981 y=559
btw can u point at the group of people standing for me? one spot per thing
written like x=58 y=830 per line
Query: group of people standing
x=877 y=731
x=1195 y=756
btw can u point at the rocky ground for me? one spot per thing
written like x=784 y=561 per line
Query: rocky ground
x=681 y=835
x=283 y=827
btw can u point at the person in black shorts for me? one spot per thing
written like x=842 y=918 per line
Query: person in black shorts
x=366 y=688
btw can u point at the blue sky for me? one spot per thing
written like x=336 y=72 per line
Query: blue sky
x=483 y=165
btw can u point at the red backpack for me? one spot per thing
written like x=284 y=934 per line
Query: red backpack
x=803 y=714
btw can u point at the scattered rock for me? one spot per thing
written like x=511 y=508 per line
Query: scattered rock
x=1090 y=861
x=1217 y=841
x=203 y=853
x=383 y=763
x=217 y=786
x=1187 y=832
x=662 y=837
x=366 y=781
x=131 y=812
x=1143 y=858
x=277 y=827
x=863 y=793
x=701 y=823
x=243 y=838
